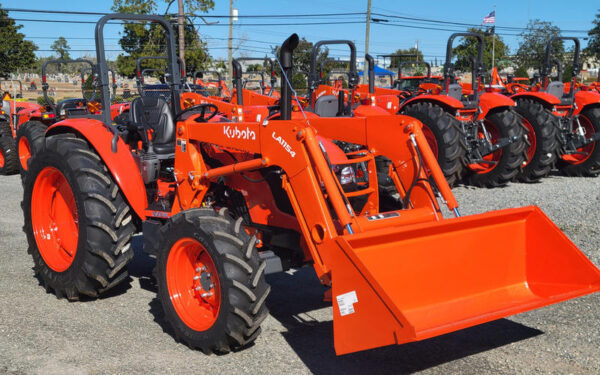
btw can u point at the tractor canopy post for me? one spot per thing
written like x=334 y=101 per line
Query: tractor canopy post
x=172 y=71
x=286 y=61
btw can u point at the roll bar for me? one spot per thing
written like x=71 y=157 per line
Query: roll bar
x=172 y=71
x=58 y=62
x=547 y=67
x=20 y=94
x=476 y=63
x=272 y=65
x=313 y=78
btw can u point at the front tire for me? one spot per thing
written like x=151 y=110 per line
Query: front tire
x=77 y=223
x=211 y=281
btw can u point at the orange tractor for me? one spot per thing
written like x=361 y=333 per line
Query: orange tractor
x=561 y=122
x=464 y=124
x=223 y=203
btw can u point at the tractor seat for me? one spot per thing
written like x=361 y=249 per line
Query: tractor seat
x=326 y=106
x=71 y=107
x=455 y=91
x=556 y=88
x=154 y=113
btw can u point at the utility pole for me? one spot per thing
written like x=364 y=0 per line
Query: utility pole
x=181 y=34
x=365 y=80
x=230 y=42
x=494 y=37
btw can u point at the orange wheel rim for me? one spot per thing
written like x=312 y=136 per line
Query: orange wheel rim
x=1 y=158
x=193 y=284
x=584 y=152
x=532 y=141
x=54 y=219
x=24 y=152
x=494 y=134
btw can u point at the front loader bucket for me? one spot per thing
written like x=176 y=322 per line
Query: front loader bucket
x=402 y=284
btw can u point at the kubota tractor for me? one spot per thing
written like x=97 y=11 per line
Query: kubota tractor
x=221 y=204
x=559 y=123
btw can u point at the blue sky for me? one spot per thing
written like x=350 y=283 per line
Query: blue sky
x=384 y=38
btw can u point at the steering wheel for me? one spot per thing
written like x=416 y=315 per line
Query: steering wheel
x=200 y=107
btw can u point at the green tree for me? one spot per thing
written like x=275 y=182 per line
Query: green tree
x=468 y=48
x=139 y=40
x=593 y=48
x=532 y=46
x=15 y=52
x=412 y=54
x=61 y=47
x=521 y=71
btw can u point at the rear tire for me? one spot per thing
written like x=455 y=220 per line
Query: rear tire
x=508 y=124
x=591 y=166
x=448 y=137
x=30 y=142
x=239 y=284
x=9 y=162
x=104 y=224
x=544 y=125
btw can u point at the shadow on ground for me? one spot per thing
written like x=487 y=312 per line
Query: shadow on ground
x=294 y=295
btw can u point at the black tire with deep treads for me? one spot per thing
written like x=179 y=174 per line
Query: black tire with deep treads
x=105 y=220
x=241 y=276
x=448 y=134
x=8 y=149
x=509 y=125
x=545 y=126
x=35 y=132
x=591 y=166
x=5 y=130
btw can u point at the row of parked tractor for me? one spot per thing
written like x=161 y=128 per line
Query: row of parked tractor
x=228 y=184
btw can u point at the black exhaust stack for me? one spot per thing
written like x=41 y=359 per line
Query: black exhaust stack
x=286 y=60
x=237 y=81
x=371 y=62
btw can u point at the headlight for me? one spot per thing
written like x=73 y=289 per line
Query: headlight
x=345 y=174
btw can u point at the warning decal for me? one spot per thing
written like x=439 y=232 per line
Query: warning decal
x=346 y=302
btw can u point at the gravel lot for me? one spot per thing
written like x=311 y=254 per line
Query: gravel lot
x=124 y=333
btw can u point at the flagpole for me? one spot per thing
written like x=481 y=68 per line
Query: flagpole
x=494 y=38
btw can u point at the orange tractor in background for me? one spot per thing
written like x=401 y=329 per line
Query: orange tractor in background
x=223 y=203
x=562 y=122
x=462 y=116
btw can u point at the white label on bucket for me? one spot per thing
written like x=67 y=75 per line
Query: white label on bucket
x=346 y=302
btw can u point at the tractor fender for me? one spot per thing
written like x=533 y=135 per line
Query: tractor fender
x=490 y=101
x=543 y=98
x=121 y=164
x=585 y=99
x=447 y=102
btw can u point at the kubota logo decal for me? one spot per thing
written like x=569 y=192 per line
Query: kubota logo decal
x=284 y=144
x=230 y=132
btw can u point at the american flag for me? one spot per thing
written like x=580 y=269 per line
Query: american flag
x=490 y=18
